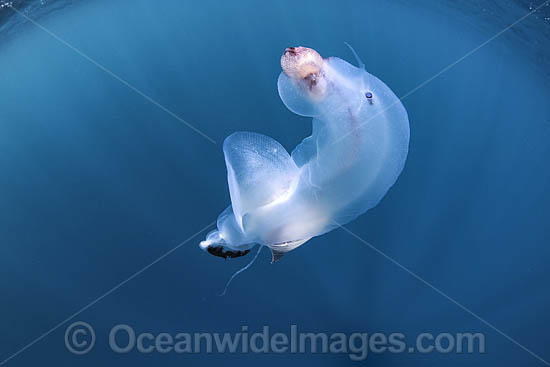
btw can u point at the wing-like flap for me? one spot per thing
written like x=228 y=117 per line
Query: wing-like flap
x=259 y=171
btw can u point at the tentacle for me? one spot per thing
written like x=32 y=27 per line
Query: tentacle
x=241 y=270
x=360 y=63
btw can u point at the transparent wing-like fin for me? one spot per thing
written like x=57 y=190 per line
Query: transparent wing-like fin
x=259 y=172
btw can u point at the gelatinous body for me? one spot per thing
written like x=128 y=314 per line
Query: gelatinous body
x=357 y=149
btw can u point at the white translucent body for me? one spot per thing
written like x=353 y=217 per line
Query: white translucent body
x=357 y=149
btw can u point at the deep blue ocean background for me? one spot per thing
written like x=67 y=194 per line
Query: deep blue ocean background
x=97 y=182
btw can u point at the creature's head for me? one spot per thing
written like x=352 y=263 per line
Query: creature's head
x=302 y=83
x=301 y=62
x=305 y=66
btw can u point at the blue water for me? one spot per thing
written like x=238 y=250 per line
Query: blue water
x=97 y=182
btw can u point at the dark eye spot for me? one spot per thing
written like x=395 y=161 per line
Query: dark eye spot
x=368 y=95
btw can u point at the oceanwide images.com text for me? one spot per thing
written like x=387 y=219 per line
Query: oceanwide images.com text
x=80 y=338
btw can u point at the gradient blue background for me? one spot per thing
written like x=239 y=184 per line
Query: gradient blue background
x=96 y=182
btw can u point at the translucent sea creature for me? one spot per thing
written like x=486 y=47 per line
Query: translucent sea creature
x=357 y=149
